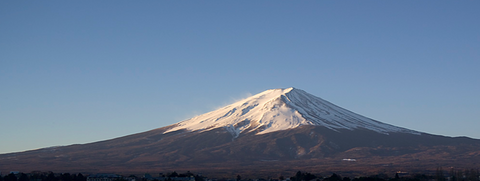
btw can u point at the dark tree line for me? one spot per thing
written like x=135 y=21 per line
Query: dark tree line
x=43 y=176
x=299 y=176
x=174 y=174
x=381 y=177
x=458 y=175
x=440 y=175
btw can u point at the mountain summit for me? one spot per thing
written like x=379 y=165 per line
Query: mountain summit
x=282 y=109
x=278 y=130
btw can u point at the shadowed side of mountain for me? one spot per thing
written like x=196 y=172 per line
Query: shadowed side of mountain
x=277 y=129
x=219 y=149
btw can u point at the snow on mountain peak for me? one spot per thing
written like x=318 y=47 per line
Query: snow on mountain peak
x=281 y=109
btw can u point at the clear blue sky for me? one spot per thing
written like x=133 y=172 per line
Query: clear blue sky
x=83 y=71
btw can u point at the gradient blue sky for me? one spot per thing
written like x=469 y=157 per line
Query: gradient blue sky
x=75 y=72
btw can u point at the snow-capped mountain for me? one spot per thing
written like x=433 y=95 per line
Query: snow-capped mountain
x=278 y=129
x=282 y=109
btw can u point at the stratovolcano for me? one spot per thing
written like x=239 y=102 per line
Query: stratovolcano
x=276 y=131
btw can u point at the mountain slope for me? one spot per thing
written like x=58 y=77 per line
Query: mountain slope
x=282 y=109
x=276 y=130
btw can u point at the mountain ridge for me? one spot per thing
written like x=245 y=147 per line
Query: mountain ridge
x=281 y=109
x=214 y=147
